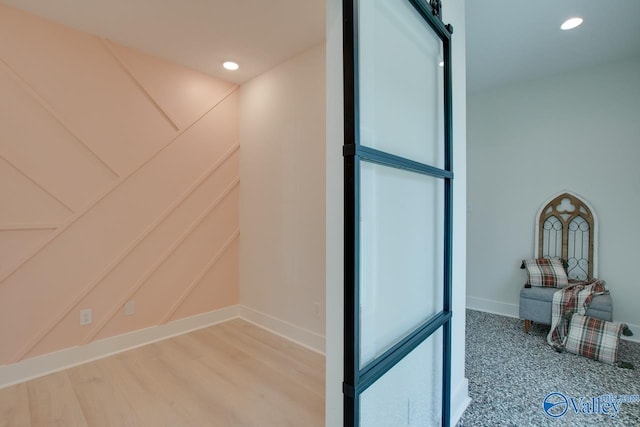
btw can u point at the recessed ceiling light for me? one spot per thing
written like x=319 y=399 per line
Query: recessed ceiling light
x=571 y=23
x=441 y=64
x=230 y=65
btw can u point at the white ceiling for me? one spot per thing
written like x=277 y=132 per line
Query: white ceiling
x=201 y=34
x=507 y=40
x=516 y=40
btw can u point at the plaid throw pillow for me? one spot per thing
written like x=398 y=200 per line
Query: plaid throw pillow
x=594 y=338
x=546 y=272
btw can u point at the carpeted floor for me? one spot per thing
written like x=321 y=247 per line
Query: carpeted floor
x=510 y=375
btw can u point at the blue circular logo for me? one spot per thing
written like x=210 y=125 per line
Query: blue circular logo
x=555 y=404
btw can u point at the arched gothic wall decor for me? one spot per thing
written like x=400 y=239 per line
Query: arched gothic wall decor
x=566 y=227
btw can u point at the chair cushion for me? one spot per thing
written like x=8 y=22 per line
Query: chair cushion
x=599 y=302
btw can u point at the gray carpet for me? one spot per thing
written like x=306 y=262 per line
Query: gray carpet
x=510 y=374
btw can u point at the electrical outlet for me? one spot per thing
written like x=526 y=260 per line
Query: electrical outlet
x=316 y=309
x=86 y=317
x=129 y=307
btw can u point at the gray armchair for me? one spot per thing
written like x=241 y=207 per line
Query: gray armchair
x=566 y=227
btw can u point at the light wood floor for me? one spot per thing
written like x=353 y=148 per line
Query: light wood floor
x=230 y=374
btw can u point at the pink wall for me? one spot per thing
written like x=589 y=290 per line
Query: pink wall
x=118 y=180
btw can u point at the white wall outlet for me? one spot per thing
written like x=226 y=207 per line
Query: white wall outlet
x=86 y=317
x=129 y=307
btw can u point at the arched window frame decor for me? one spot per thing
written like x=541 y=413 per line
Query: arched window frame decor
x=558 y=207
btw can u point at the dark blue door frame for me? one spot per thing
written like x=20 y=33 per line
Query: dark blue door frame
x=356 y=378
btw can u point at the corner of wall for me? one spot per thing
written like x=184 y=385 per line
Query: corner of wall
x=282 y=201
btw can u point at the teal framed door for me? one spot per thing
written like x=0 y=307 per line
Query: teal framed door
x=398 y=213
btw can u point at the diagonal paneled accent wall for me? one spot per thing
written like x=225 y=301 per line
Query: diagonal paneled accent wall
x=119 y=181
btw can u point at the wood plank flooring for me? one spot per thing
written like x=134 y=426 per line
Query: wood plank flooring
x=230 y=374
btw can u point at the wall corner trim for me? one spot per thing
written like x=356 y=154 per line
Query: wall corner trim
x=460 y=400
x=494 y=307
x=291 y=332
x=49 y=363
x=53 y=362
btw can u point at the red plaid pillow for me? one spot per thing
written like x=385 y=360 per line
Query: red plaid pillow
x=594 y=338
x=546 y=272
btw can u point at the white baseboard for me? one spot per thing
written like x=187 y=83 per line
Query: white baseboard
x=460 y=400
x=53 y=362
x=301 y=336
x=512 y=310
x=495 y=307
x=57 y=361
x=636 y=333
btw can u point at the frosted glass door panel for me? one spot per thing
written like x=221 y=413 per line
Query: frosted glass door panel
x=410 y=394
x=401 y=255
x=401 y=101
